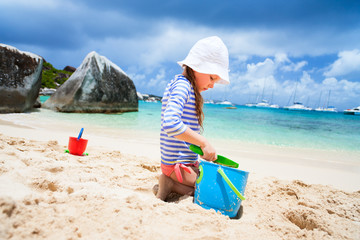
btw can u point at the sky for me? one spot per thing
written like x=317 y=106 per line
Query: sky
x=281 y=51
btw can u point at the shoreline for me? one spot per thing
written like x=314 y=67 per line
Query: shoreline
x=278 y=135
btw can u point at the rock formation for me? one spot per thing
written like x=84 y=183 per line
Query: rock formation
x=69 y=69
x=20 y=79
x=97 y=86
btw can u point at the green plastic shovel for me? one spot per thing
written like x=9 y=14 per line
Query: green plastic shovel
x=220 y=159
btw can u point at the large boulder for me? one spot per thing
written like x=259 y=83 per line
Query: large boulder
x=69 y=69
x=97 y=86
x=20 y=79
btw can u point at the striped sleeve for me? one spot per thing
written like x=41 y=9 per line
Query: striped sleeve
x=179 y=94
x=177 y=114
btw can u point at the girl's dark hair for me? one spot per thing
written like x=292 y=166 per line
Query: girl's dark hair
x=199 y=101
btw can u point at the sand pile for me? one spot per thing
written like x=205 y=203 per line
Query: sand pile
x=46 y=193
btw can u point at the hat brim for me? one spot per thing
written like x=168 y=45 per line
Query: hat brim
x=224 y=75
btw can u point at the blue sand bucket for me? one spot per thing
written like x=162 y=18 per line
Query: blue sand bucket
x=220 y=188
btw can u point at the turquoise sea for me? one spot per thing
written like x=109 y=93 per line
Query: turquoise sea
x=301 y=129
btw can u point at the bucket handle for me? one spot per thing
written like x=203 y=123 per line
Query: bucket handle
x=231 y=185
x=201 y=170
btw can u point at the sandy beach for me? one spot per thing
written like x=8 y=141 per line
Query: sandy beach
x=46 y=193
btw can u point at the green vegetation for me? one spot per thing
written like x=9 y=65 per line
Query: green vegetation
x=52 y=77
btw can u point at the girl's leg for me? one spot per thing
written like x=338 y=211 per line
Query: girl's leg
x=171 y=184
x=188 y=178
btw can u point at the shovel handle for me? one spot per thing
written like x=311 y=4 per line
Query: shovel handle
x=220 y=159
x=196 y=149
x=80 y=133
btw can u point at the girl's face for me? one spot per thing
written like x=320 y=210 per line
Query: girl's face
x=205 y=81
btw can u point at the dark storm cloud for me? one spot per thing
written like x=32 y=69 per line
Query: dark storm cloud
x=278 y=42
x=64 y=28
x=70 y=25
x=249 y=13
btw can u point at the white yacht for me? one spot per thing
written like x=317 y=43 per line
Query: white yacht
x=263 y=104
x=250 y=104
x=327 y=109
x=209 y=102
x=266 y=104
x=297 y=106
x=353 y=111
x=226 y=102
x=274 y=106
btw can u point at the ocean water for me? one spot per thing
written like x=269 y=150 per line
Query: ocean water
x=301 y=129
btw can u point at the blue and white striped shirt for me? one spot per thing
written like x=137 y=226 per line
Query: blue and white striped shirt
x=177 y=114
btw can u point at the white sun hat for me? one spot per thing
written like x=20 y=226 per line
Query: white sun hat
x=209 y=55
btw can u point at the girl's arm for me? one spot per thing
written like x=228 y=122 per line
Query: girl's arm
x=193 y=137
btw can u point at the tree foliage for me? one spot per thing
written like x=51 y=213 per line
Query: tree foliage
x=52 y=77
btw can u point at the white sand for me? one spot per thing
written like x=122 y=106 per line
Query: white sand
x=48 y=194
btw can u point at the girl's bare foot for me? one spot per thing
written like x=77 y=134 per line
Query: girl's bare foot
x=165 y=187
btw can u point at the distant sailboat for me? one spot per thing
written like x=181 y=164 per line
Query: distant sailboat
x=209 y=101
x=327 y=108
x=250 y=103
x=225 y=102
x=265 y=103
x=319 y=103
x=272 y=97
x=298 y=106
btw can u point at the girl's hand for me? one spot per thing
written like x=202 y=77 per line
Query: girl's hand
x=209 y=152
x=193 y=137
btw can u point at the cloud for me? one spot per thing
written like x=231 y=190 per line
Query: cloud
x=246 y=13
x=158 y=80
x=261 y=80
x=147 y=38
x=330 y=82
x=126 y=30
x=250 y=84
x=294 y=67
x=345 y=89
x=34 y=4
x=315 y=94
x=348 y=62
x=261 y=69
x=151 y=85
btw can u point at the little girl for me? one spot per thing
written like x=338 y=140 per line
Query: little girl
x=182 y=116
